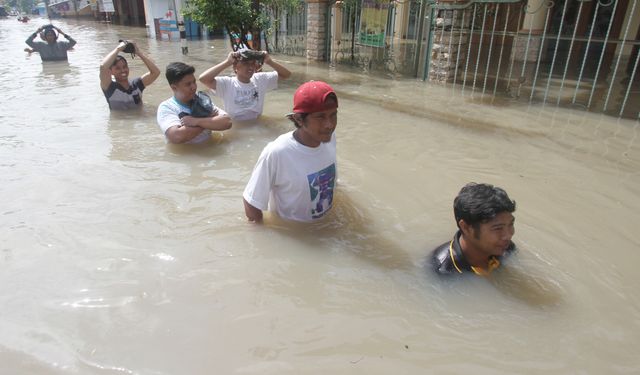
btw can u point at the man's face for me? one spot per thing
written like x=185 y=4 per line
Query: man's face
x=245 y=69
x=50 y=36
x=120 y=70
x=319 y=126
x=185 y=89
x=494 y=236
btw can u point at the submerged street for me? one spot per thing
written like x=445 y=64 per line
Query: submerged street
x=124 y=255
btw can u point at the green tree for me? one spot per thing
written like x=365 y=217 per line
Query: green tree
x=236 y=16
x=24 y=6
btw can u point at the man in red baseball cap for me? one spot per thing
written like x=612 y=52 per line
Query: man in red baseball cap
x=295 y=175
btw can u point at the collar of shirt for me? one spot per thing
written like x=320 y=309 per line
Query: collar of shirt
x=461 y=264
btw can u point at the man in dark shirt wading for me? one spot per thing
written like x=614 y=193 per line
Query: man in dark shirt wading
x=484 y=215
x=51 y=49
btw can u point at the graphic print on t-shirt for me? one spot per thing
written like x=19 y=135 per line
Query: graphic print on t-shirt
x=321 y=188
x=246 y=98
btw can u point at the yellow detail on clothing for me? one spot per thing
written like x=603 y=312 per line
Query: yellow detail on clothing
x=453 y=259
x=493 y=264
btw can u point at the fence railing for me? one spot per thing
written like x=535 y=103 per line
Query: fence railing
x=375 y=35
x=569 y=52
x=581 y=53
x=287 y=32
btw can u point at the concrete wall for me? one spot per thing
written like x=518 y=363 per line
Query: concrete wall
x=317 y=29
x=158 y=9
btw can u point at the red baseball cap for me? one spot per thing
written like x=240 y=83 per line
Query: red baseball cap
x=311 y=97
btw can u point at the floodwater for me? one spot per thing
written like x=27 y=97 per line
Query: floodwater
x=122 y=255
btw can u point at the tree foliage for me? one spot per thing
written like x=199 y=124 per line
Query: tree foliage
x=22 y=5
x=236 y=16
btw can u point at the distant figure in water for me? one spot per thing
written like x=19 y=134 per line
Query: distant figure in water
x=120 y=91
x=484 y=215
x=51 y=49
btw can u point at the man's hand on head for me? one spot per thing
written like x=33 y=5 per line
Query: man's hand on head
x=233 y=56
x=266 y=57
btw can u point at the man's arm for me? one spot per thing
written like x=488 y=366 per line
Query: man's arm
x=253 y=214
x=105 y=65
x=153 y=72
x=182 y=134
x=283 y=73
x=258 y=190
x=208 y=77
x=72 y=42
x=219 y=122
x=172 y=127
x=31 y=37
x=190 y=127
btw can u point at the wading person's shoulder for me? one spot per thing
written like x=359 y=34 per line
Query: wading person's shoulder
x=440 y=260
x=282 y=143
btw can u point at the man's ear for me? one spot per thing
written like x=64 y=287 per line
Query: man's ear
x=465 y=228
x=298 y=119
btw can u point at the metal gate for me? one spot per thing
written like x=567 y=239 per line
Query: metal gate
x=581 y=53
x=375 y=34
x=566 y=52
x=287 y=32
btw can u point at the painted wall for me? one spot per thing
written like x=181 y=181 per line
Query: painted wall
x=158 y=9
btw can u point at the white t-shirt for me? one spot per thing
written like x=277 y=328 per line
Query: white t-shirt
x=244 y=101
x=169 y=115
x=294 y=180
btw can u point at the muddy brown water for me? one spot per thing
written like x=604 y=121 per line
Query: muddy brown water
x=122 y=255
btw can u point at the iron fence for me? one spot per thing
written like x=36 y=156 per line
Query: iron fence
x=566 y=52
x=379 y=35
x=287 y=32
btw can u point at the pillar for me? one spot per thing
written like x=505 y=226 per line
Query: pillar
x=317 y=29
x=148 y=17
x=533 y=23
x=402 y=20
x=336 y=28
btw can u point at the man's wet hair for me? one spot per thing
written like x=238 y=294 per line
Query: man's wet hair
x=479 y=203
x=177 y=70
x=118 y=58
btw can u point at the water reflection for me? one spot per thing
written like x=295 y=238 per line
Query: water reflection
x=57 y=70
x=131 y=134
x=526 y=286
x=348 y=227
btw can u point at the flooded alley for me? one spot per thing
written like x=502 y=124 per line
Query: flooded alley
x=121 y=254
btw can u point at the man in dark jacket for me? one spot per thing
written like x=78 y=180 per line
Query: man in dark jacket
x=51 y=49
x=484 y=215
